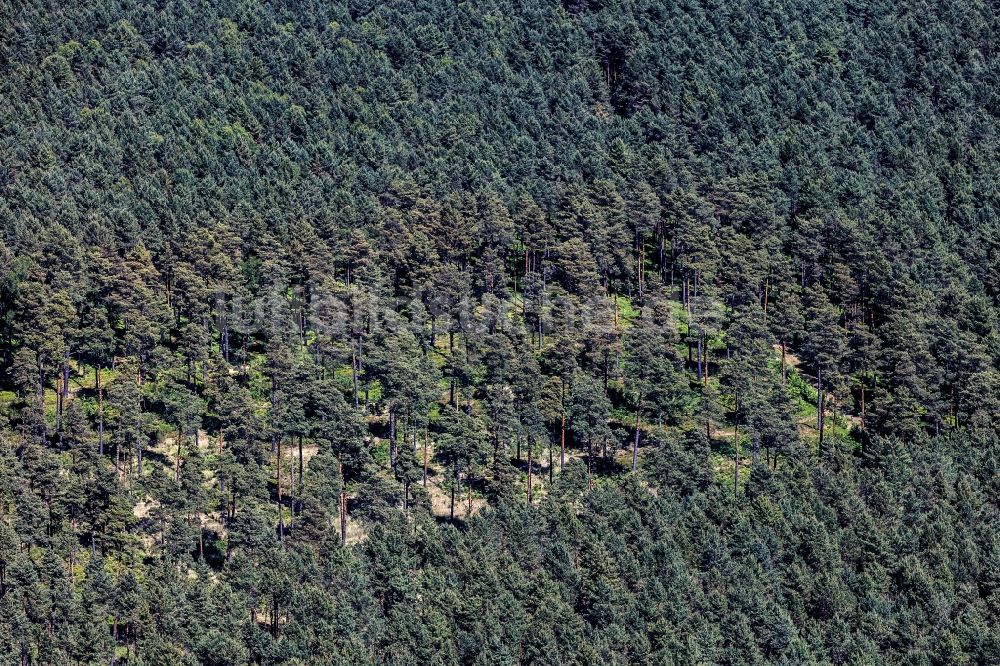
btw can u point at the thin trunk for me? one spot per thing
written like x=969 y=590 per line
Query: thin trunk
x=736 y=475
x=451 y=511
x=426 y=437
x=550 y=462
x=704 y=350
x=177 y=461
x=392 y=437
x=590 y=465
x=819 y=406
x=100 y=411
x=354 y=377
x=765 y=298
x=225 y=338
x=638 y=262
x=562 y=428
x=291 y=488
x=274 y=407
x=64 y=398
x=862 y=403
x=635 y=442
x=529 y=471
x=281 y=517
x=784 y=367
x=699 y=357
x=468 y=483
x=343 y=518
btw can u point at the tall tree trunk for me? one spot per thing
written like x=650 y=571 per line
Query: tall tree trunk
x=698 y=356
x=819 y=405
x=291 y=487
x=281 y=516
x=426 y=437
x=64 y=396
x=343 y=518
x=274 y=407
x=529 y=470
x=833 y=426
x=177 y=461
x=100 y=411
x=468 y=483
x=862 y=402
x=451 y=511
x=392 y=436
x=784 y=366
x=765 y=298
x=354 y=377
x=590 y=464
x=225 y=338
x=704 y=350
x=550 y=462
x=736 y=474
x=635 y=442
x=562 y=426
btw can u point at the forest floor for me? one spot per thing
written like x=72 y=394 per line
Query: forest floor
x=163 y=453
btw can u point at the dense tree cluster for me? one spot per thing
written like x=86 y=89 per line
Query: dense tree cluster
x=499 y=332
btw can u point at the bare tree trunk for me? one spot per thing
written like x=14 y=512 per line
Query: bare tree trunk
x=392 y=437
x=100 y=411
x=343 y=518
x=529 y=470
x=862 y=403
x=550 y=462
x=562 y=427
x=301 y=483
x=354 y=377
x=451 y=511
x=426 y=438
x=468 y=483
x=736 y=474
x=177 y=462
x=281 y=516
x=64 y=395
x=784 y=366
x=635 y=442
x=590 y=465
x=819 y=406
x=698 y=356
x=704 y=350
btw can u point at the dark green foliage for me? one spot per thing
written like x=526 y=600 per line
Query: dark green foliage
x=324 y=329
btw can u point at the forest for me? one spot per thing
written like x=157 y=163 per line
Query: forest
x=499 y=332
